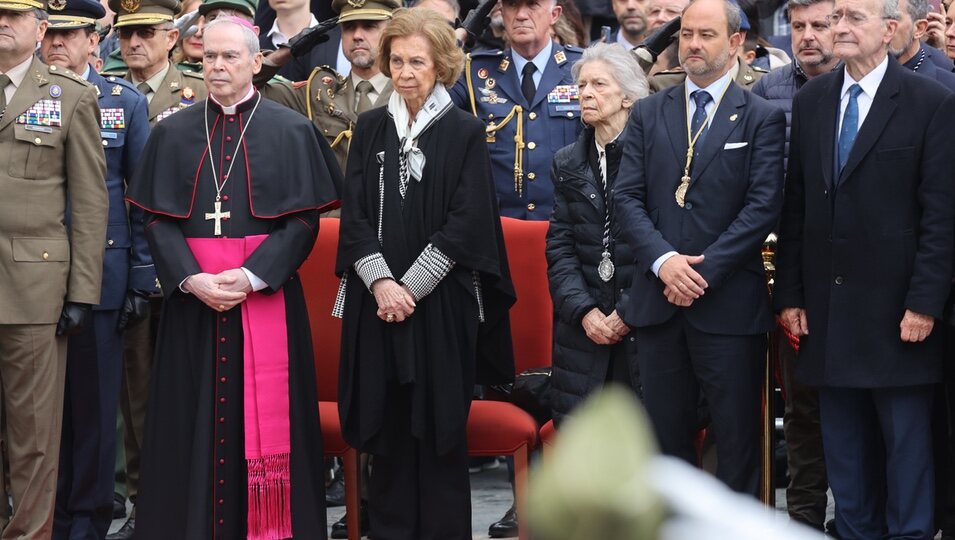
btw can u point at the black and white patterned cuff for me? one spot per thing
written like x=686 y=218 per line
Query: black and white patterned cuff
x=427 y=271
x=372 y=268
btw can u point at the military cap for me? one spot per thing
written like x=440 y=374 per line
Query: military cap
x=144 y=12
x=364 y=10
x=22 y=5
x=243 y=6
x=67 y=14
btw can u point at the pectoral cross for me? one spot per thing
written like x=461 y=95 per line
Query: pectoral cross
x=218 y=215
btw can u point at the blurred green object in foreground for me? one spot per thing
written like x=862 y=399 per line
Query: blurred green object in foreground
x=594 y=484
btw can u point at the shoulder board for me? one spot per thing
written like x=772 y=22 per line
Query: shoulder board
x=119 y=74
x=486 y=53
x=759 y=69
x=189 y=67
x=118 y=79
x=279 y=79
x=674 y=71
x=573 y=49
x=327 y=70
x=191 y=75
x=67 y=74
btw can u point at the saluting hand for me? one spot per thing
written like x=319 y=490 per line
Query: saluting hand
x=208 y=289
x=395 y=303
x=683 y=283
x=935 y=32
x=916 y=326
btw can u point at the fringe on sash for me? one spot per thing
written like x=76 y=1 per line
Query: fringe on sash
x=270 y=498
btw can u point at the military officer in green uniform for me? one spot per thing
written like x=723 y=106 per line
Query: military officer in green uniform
x=50 y=153
x=333 y=101
x=527 y=98
x=146 y=35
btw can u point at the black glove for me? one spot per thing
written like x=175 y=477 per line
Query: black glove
x=307 y=39
x=74 y=318
x=658 y=41
x=478 y=19
x=135 y=309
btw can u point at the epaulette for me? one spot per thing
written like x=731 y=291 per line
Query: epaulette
x=759 y=69
x=279 y=79
x=118 y=79
x=673 y=71
x=574 y=49
x=67 y=74
x=486 y=53
x=191 y=75
x=189 y=67
x=332 y=74
x=114 y=73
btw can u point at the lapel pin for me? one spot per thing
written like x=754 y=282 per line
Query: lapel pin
x=733 y=117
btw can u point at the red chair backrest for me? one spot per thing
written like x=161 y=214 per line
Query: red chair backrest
x=321 y=286
x=532 y=317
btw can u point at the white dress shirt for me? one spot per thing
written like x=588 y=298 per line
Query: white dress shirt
x=869 y=84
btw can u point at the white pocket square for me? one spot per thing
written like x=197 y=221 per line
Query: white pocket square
x=734 y=145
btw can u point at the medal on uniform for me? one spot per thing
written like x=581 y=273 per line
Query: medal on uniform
x=605 y=268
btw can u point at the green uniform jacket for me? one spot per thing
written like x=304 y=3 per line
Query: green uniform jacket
x=746 y=77
x=179 y=89
x=50 y=153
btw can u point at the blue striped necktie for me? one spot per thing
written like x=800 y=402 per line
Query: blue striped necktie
x=850 y=125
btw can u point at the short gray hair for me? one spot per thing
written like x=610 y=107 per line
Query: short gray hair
x=917 y=9
x=623 y=68
x=734 y=17
x=805 y=3
x=248 y=35
x=890 y=9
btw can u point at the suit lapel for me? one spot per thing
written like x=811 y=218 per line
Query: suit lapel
x=507 y=81
x=168 y=93
x=882 y=109
x=828 y=122
x=29 y=92
x=674 y=115
x=725 y=119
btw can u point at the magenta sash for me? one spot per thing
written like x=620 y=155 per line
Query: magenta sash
x=265 y=378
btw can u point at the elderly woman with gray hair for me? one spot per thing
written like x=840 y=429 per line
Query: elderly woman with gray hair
x=589 y=265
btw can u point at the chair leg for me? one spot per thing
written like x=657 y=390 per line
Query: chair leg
x=350 y=465
x=521 y=459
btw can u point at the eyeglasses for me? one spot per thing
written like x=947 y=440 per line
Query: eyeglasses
x=144 y=32
x=854 y=18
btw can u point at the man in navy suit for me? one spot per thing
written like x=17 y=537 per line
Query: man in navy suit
x=864 y=265
x=702 y=310
x=84 y=497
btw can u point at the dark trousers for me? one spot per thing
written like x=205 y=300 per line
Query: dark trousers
x=806 y=497
x=878 y=445
x=415 y=494
x=677 y=362
x=84 y=491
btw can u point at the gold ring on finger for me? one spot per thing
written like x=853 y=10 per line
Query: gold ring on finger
x=390 y=317
x=221 y=307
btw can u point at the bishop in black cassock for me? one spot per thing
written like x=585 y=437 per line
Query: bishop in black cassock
x=274 y=180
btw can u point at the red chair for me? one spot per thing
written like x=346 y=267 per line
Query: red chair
x=321 y=285
x=497 y=428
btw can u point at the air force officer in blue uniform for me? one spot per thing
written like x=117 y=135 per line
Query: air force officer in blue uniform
x=529 y=103
x=84 y=499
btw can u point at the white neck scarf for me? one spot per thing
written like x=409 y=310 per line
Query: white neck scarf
x=438 y=103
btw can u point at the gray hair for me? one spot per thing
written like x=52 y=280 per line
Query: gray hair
x=734 y=16
x=40 y=14
x=805 y=3
x=248 y=35
x=917 y=9
x=623 y=68
x=890 y=9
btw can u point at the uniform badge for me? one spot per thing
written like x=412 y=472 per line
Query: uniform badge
x=188 y=93
x=357 y=4
x=560 y=57
x=117 y=90
x=491 y=97
x=174 y=85
x=42 y=115
x=113 y=118
x=482 y=73
x=56 y=91
x=327 y=80
x=57 y=5
x=129 y=5
x=564 y=93
x=490 y=83
x=505 y=63
x=330 y=92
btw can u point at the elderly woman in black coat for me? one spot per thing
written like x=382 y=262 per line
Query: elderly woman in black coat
x=590 y=266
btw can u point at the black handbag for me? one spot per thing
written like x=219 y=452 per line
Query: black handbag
x=531 y=392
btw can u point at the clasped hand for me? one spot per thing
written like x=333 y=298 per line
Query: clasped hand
x=222 y=291
x=604 y=329
x=395 y=301
x=682 y=283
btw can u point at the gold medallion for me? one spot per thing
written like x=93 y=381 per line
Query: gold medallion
x=57 y=5
x=681 y=190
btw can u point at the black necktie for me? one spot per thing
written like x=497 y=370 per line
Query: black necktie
x=701 y=98
x=527 y=82
x=4 y=81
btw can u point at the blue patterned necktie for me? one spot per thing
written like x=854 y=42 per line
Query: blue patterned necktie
x=701 y=98
x=850 y=125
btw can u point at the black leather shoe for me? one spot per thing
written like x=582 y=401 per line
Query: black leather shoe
x=340 y=527
x=506 y=527
x=119 y=506
x=125 y=532
x=335 y=492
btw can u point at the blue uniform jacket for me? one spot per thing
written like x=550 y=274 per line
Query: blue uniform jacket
x=124 y=128
x=549 y=123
